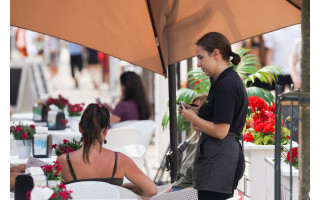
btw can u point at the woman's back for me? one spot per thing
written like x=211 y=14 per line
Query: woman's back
x=104 y=165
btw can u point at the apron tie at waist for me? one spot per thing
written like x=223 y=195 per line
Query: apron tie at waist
x=237 y=137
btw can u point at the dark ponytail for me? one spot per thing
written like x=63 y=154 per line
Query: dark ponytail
x=93 y=120
x=214 y=40
x=235 y=58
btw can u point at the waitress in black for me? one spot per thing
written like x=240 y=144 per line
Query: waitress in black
x=219 y=162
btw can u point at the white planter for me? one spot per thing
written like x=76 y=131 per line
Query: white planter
x=24 y=148
x=253 y=183
x=285 y=180
x=74 y=123
x=53 y=183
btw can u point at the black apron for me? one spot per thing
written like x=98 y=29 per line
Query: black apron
x=219 y=164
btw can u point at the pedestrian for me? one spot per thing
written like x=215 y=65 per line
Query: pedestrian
x=219 y=162
x=75 y=60
x=279 y=45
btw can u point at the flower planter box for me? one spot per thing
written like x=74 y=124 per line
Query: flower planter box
x=285 y=180
x=253 y=183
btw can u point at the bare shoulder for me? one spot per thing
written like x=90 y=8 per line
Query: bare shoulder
x=62 y=159
x=124 y=159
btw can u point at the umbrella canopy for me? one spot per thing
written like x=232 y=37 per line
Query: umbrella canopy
x=153 y=33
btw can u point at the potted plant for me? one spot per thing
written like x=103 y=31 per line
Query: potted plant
x=66 y=146
x=260 y=124
x=23 y=135
x=74 y=112
x=58 y=192
x=53 y=173
x=60 y=102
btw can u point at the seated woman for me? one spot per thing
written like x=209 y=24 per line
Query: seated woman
x=93 y=163
x=184 y=177
x=133 y=104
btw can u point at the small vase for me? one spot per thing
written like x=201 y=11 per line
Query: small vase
x=53 y=183
x=24 y=148
x=74 y=123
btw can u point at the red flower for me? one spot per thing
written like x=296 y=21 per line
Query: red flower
x=65 y=141
x=54 y=146
x=48 y=168
x=18 y=128
x=33 y=127
x=64 y=121
x=248 y=137
x=73 y=109
x=294 y=154
x=53 y=196
x=70 y=149
x=62 y=186
x=28 y=194
x=63 y=194
x=24 y=136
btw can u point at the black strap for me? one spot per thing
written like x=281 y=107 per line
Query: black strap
x=115 y=164
x=70 y=168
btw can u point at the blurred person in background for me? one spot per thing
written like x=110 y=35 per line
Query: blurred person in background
x=294 y=63
x=51 y=50
x=133 y=104
x=94 y=67
x=75 y=51
x=279 y=44
x=20 y=39
x=34 y=43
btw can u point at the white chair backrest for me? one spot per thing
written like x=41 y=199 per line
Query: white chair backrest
x=120 y=137
x=124 y=123
x=136 y=150
x=186 y=194
x=146 y=127
x=93 y=190
x=127 y=194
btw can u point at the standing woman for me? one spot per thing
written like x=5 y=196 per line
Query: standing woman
x=219 y=162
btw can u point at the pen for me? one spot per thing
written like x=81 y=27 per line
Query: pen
x=191 y=104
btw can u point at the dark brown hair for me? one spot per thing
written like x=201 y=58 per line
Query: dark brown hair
x=214 y=40
x=134 y=90
x=94 y=119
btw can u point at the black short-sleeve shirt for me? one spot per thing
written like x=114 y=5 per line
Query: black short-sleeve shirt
x=227 y=101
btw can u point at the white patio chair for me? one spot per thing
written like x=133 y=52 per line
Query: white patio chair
x=124 y=123
x=186 y=194
x=93 y=190
x=120 y=137
x=162 y=188
x=135 y=150
x=127 y=194
x=146 y=127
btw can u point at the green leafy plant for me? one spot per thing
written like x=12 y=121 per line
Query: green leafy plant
x=247 y=70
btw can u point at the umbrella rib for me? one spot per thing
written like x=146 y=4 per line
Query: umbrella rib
x=156 y=38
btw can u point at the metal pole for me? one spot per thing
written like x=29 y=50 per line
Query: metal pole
x=173 y=121
x=291 y=127
x=178 y=75
x=277 y=152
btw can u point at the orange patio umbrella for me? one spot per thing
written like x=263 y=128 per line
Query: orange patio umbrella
x=150 y=33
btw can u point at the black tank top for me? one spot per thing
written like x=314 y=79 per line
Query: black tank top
x=112 y=180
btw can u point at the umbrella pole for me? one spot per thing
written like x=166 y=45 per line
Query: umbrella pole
x=173 y=121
